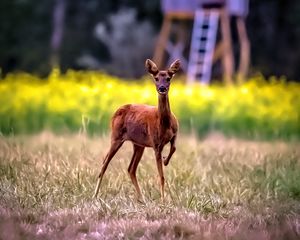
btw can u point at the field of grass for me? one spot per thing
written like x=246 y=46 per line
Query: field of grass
x=77 y=100
x=216 y=188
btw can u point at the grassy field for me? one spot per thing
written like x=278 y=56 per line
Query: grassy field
x=217 y=188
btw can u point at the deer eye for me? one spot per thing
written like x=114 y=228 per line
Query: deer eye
x=168 y=79
x=156 y=79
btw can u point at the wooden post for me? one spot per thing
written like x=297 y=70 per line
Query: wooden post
x=244 y=50
x=227 y=59
x=162 y=41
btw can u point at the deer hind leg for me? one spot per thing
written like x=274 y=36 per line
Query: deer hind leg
x=137 y=155
x=161 y=173
x=172 y=150
x=115 y=146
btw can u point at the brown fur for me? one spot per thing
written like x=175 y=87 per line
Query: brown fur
x=145 y=126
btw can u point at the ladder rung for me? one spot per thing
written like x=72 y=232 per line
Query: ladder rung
x=206 y=19
x=200 y=61
x=197 y=56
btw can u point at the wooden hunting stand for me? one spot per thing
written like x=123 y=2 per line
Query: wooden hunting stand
x=204 y=51
x=174 y=10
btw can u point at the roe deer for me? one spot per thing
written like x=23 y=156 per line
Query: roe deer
x=145 y=126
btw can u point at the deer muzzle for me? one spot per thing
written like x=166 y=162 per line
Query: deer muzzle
x=162 y=90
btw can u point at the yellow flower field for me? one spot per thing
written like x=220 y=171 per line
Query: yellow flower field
x=85 y=101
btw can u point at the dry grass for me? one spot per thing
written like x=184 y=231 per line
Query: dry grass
x=216 y=188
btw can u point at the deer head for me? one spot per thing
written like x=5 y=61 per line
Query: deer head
x=162 y=79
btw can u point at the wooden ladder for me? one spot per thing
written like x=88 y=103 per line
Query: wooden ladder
x=203 y=45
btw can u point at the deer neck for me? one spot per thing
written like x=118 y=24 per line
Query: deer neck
x=164 y=112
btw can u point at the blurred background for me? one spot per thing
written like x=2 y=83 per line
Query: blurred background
x=116 y=36
x=64 y=64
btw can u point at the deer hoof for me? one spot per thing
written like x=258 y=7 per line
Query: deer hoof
x=140 y=199
x=166 y=161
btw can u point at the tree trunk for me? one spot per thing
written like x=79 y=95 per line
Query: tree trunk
x=57 y=34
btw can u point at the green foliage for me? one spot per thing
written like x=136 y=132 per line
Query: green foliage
x=86 y=101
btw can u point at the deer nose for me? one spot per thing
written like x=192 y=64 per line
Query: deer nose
x=162 y=89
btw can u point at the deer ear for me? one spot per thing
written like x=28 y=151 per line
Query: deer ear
x=174 y=67
x=151 y=67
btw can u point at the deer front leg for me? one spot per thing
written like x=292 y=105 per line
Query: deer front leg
x=161 y=173
x=172 y=150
